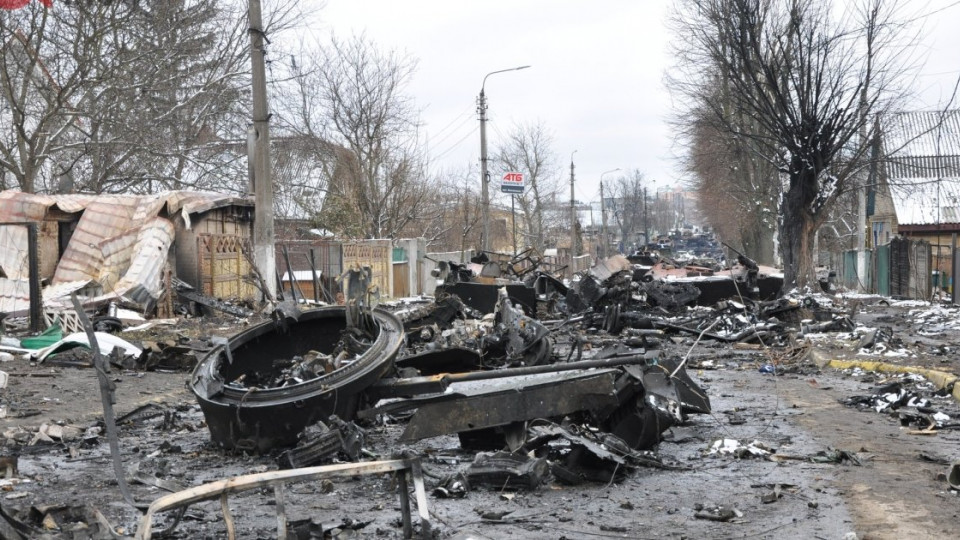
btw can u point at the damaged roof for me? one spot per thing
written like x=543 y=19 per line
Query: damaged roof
x=923 y=166
x=120 y=241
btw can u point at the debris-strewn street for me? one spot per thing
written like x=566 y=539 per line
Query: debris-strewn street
x=310 y=269
x=511 y=403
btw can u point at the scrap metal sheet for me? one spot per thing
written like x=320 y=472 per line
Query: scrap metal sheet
x=516 y=400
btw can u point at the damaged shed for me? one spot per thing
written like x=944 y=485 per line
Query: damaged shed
x=116 y=247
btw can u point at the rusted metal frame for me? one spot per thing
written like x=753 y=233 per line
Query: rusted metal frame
x=223 y=488
x=294 y=283
x=410 y=386
x=614 y=361
x=33 y=262
x=107 y=388
x=311 y=258
x=437 y=384
x=276 y=275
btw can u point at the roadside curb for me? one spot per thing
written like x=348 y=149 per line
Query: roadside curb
x=941 y=379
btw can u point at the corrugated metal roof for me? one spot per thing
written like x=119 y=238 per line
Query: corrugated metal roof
x=120 y=242
x=105 y=218
x=919 y=134
x=19 y=207
x=922 y=164
x=926 y=201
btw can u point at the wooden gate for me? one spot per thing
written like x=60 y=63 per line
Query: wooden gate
x=223 y=266
x=376 y=254
x=401 y=279
x=322 y=256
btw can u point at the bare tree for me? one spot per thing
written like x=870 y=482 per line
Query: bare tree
x=528 y=150
x=350 y=99
x=182 y=91
x=808 y=84
x=470 y=211
x=127 y=96
x=450 y=219
x=627 y=196
x=49 y=57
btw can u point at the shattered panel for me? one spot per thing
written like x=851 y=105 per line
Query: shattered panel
x=141 y=279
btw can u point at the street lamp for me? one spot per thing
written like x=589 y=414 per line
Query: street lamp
x=484 y=178
x=603 y=215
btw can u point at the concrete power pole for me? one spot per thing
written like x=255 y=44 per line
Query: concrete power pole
x=574 y=248
x=862 y=286
x=264 y=254
x=646 y=224
x=484 y=178
x=603 y=226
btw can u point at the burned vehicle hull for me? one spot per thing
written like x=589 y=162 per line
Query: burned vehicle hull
x=258 y=419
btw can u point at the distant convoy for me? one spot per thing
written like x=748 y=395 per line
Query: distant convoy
x=688 y=244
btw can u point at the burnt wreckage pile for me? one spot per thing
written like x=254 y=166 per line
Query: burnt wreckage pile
x=534 y=374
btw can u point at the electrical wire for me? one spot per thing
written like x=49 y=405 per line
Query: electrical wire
x=456 y=144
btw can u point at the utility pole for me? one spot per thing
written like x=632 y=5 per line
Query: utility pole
x=646 y=225
x=484 y=176
x=264 y=254
x=861 y=205
x=603 y=226
x=574 y=248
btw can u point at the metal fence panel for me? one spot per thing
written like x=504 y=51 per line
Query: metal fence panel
x=882 y=273
x=921 y=256
x=849 y=271
x=910 y=265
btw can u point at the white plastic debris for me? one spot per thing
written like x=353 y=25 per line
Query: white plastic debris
x=106 y=342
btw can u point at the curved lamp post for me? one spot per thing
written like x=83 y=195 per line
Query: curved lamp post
x=484 y=178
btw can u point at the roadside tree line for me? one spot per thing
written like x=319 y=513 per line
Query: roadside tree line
x=780 y=124
x=140 y=97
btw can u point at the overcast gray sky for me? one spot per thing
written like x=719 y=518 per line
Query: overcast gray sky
x=596 y=80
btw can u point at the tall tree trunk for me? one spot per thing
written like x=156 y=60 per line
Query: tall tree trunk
x=796 y=233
